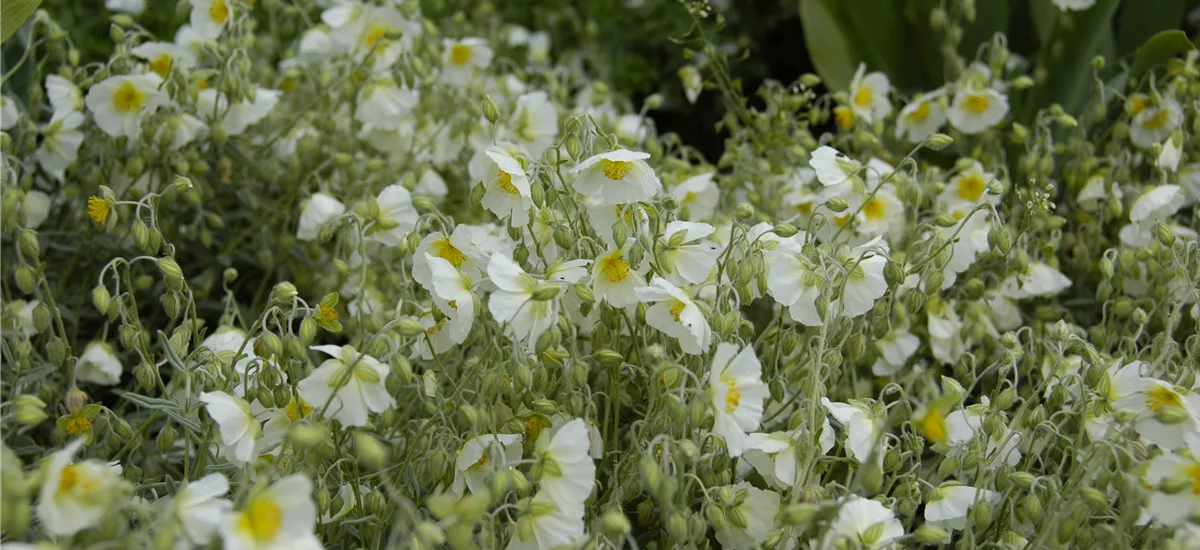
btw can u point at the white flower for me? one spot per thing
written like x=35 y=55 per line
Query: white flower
x=35 y=208
x=856 y=522
x=759 y=508
x=351 y=383
x=862 y=427
x=976 y=105
x=972 y=240
x=881 y=215
x=461 y=58
x=676 y=315
x=457 y=249
x=163 y=56
x=794 y=282
x=1173 y=509
x=317 y=211
x=513 y=301
x=534 y=122
x=1146 y=396
x=98 y=365
x=238 y=428
x=199 y=508
x=568 y=471
x=548 y=526
x=949 y=505
x=738 y=391
x=895 y=348
x=186 y=128
x=614 y=279
x=1039 y=280
x=865 y=283
x=924 y=115
x=690 y=257
x=119 y=102
x=1156 y=204
x=8 y=112
x=966 y=425
x=774 y=456
x=74 y=496
x=967 y=190
x=833 y=168
x=60 y=143
x=1153 y=123
x=699 y=194
x=283 y=517
x=617 y=177
x=869 y=94
x=384 y=104
x=507 y=193
x=431 y=185
x=1074 y=5
x=451 y=292
x=1168 y=159
x=482 y=456
x=209 y=17
x=397 y=216
x=631 y=128
x=246 y=113
x=63 y=94
x=132 y=7
x=604 y=216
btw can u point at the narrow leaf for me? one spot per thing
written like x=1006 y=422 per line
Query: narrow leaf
x=13 y=14
x=831 y=54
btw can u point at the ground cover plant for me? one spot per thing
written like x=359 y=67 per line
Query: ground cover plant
x=376 y=274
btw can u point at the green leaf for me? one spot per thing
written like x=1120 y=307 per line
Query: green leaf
x=832 y=56
x=879 y=31
x=1045 y=16
x=1157 y=50
x=1136 y=24
x=1066 y=60
x=991 y=17
x=13 y=14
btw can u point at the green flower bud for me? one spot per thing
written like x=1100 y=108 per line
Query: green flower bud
x=929 y=535
x=615 y=524
x=490 y=111
x=371 y=453
x=937 y=142
x=546 y=291
x=26 y=278
x=837 y=204
x=27 y=242
x=306 y=436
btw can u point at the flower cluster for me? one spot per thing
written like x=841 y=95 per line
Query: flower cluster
x=347 y=274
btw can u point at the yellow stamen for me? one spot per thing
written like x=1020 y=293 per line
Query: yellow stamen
x=1162 y=396
x=616 y=169
x=1159 y=120
x=261 y=519
x=460 y=54
x=479 y=463
x=533 y=428
x=971 y=187
x=933 y=426
x=614 y=268
x=875 y=210
x=921 y=113
x=1193 y=471
x=978 y=104
x=733 y=396
x=128 y=98
x=297 y=410
x=287 y=85
x=505 y=180
x=327 y=314
x=218 y=11
x=97 y=209
x=804 y=207
x=443 y=249
x=677 y=309
x=79 y=426
x=863 y=96
x=844 y=117
x=373 y=36
x=162 y=65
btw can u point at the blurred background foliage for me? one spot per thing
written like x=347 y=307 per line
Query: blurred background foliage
x=638 y=46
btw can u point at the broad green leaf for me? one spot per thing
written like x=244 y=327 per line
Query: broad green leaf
x=1136 y=24
x=1045 y=17
x=926 y=42
x=991 y=17
x=876 y=30
x=832 y=56
x=1157 y=50
x=1066 y=60
x=13 y=14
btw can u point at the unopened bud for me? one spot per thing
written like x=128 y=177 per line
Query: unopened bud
x=937 y=142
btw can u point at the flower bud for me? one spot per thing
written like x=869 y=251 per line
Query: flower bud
x=27 y=242
x=743 y=211
x=837 y=204
x=490 y=111
x=615 y=524
x=937 y=142
x=26 y=278
x=30 y=410
x=172 y=273
x=545 y=291
x=306 y=436
x=371 y=453
x=786 y=230
x=930 y=535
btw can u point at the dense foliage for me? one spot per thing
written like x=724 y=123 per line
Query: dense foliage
x=391 y=275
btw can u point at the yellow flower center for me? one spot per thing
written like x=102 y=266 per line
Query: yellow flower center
x=373 y=36
x=97 y=209
x=479 y=463
x=933 y=426
x=128 y=98
x=625 y=213
x=1136 y=105
x=297 y=409
x=1193 y=471
x=261 y=520
x=921 y=113
x=435 y=328
x=970 y=187
x=841 y=220
x=453 y=305
x=533 y=428
x=1162 y=396
x=327 y=314
x=689 y=198
x=162 y=65
x=288 y=85
x=616 y=169
x=446 y=251
x=804 y=207
x=68 y=479
x=863 y=96
x=844 y=117
x=614 y=268
x=1159 y=120
x=733 y=396
x=78 y=426
x=875 y=210
x=505 y=180
x=978 y=104
x=676 y=309
x=460 y=54
x=218 y=11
